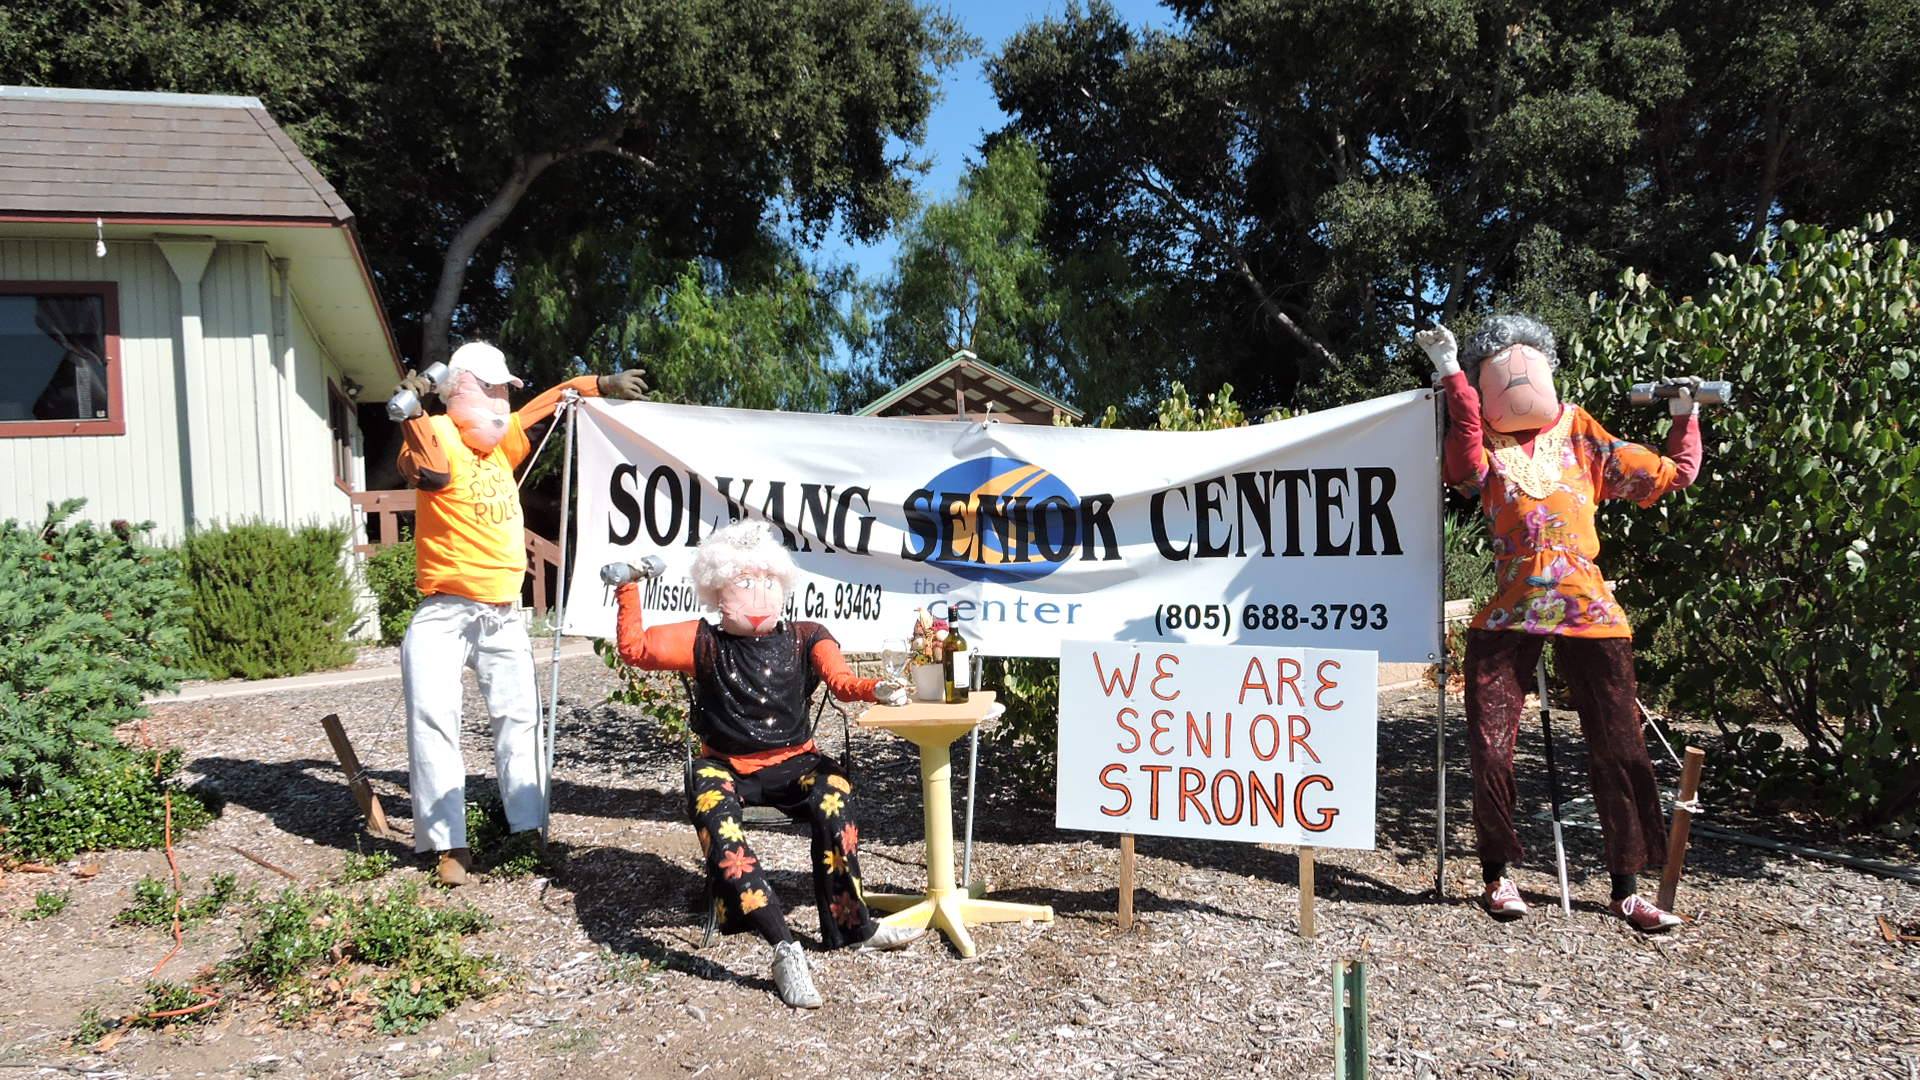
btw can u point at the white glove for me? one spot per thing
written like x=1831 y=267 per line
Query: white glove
x=1441 y=349
x=1682 y=403
x=889 y=692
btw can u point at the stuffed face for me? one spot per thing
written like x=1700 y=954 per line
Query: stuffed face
x=750 y=604
x=479 y=410
x=1516 y=390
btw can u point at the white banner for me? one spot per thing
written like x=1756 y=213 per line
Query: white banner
x=1322 y=529
x=1268 y=745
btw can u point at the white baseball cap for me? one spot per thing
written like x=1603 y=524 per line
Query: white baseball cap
x=487 y=363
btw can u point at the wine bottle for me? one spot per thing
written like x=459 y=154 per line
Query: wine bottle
x=959 y=668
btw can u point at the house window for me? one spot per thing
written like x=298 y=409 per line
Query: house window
x=60 y=359
x=340 y=425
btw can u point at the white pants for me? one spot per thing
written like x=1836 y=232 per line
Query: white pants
x=449 y=633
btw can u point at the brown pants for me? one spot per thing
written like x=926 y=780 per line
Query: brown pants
x=1599 y=676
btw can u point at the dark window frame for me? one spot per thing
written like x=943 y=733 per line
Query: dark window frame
x=115 y=422
x=340 y=441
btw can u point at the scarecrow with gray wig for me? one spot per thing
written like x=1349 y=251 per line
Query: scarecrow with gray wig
x=1541 y=467
x=753 y=672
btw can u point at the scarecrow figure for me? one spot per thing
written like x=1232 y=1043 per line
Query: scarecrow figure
x=1541 y=468
x=470 y=554
x=753 y=672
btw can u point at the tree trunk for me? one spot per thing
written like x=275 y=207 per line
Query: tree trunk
x=438 y=324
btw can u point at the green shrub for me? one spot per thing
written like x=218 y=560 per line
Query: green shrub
x=294 y=930
x=89 y=625
x=358 y=867
x=266 y=601
x=495 y=850
x=1788 y=568
x=419 y=968
x=46 y=904
x=154 y=901
x=390 y=577
x=168 y=1003
x=118 y=802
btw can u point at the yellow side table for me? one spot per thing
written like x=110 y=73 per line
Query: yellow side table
x=945 y=907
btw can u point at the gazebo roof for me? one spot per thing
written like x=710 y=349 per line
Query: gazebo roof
x=963 y=384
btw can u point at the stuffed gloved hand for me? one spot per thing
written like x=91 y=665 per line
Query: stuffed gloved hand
x=888 y=692
x=1441 y=349
x=1682 y=403
x=418 y=383
x=627 y=385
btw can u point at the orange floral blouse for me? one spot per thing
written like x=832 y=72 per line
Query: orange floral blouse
x=1540 y=495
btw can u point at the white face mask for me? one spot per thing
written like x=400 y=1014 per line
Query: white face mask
x=1517 y=391
x=750 y=605
x=480 y=411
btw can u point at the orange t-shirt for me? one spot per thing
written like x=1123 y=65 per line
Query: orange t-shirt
x=1540 y=509
x=470 y=536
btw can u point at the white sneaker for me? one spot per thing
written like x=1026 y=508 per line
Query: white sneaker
x=1503 y=900
x=1643 y=916
x=890 y=937
x=792 y=977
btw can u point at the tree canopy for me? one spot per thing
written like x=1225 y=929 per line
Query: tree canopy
x=1313 y=178
x=470 y=138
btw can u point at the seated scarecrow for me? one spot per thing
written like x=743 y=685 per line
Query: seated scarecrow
x=753 y=673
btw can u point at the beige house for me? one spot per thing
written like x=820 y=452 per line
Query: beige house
x=187 y=319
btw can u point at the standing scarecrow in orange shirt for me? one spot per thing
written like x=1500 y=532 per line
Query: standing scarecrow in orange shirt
x=1541 y=469
x=470 y=553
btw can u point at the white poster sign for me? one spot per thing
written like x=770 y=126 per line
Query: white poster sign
x=1261 y=745
x=1317 y=529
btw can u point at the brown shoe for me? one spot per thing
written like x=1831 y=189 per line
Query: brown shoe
x=454 y=867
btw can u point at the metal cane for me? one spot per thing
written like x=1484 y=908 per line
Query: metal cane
x=1553 y=783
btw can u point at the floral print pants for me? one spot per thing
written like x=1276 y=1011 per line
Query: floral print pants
x=1599 y=677
x=811 y=788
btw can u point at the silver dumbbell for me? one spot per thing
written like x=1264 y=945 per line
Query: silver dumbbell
x=1716 y=392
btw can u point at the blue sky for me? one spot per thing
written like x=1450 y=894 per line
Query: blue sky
x=966 y=111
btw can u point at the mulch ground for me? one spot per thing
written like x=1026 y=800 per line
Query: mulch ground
x=1783 y=972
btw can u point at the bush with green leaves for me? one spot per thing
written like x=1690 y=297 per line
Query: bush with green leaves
x=118 y=801
x=1789 y=567
x=155 y=902
x=405 y=951
x=89 y=625
x=390 y=576
x=266 y=601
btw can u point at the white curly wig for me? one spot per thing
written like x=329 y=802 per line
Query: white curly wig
x=739 y=548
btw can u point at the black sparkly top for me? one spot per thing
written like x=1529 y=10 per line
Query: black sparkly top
x=751 y=693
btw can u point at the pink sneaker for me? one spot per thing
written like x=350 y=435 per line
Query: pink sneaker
x=1643 y=916
x=1503 y=900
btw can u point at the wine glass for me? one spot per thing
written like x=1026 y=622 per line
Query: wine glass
x=893 y=657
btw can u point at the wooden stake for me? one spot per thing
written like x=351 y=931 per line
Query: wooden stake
x=1306 y=892
x=1682 y=825
x=1126 y=881
x=356 y=776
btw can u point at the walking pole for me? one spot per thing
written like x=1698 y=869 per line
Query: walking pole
x=1440 y=721
x=1553 y=783
x=570 y=404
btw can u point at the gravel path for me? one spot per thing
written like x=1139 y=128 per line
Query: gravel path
x=1784 y=973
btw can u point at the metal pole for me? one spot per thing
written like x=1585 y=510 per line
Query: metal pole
x=973 y=766
x=1553 y=782
x=1440 y=720
x=569 y=404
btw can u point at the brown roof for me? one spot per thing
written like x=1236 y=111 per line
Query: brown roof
x=107 y=152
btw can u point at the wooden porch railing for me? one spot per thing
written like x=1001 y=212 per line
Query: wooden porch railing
x=386 y=508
